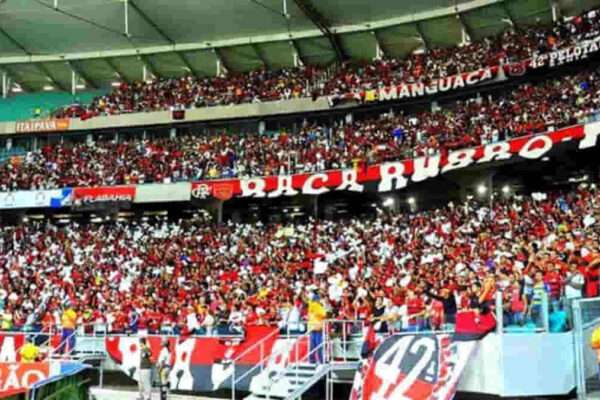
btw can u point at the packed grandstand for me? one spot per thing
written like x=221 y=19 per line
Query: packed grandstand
x=440 y=196
x=412 y=271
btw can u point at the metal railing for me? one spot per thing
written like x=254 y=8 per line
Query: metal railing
x=263 y=362
x=59 y=350
x=317 y=351
x=351 y=333
x=261 y=345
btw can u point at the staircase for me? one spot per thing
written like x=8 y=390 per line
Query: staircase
x=288 y=371
x=294 y=381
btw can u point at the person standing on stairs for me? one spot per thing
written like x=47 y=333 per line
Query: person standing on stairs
x=316 y=317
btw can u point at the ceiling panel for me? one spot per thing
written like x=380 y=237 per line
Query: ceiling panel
x=486 y=22
x=168 y=64
x=228 y=18
x=316 y=51
x=359 y=11
x=98 y=70
x=359 y=46
x=531 y=12
x=442 y=32
x=95 y=25
x=131 y=67
x=241 y=58
x=277 y=55
x=60 y=72
x=399 y=41
x=29 y=76
x=204 y=62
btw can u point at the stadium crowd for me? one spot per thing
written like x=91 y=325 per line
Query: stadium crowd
x=401 y=271
x=514 y=45
x=527 y=109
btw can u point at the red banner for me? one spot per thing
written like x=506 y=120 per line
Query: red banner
x=83 y=195
x=201 y=363
x=395 y=175
x=19 y=377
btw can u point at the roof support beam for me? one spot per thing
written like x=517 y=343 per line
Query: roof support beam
x=556 y=13
x=148 y=66
x=186 y=63
x=13 y=78
x=118 y=72
x=82 y=75
x=222 y=67
x=422 y=35
x=466 y=31
x=298 y=60
x=53 y=80
x=321 y=22
x=14 y=41
x=511 y=19
x=260 y=55
x=379 y=50
x=5 y=85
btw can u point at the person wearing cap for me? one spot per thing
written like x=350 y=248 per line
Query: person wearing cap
x=316 y=316
x=145 y=377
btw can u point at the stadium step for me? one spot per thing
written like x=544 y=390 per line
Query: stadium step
x=289 y=383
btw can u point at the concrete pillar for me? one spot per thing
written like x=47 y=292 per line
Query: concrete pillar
x=5 y=85
x=73 y=83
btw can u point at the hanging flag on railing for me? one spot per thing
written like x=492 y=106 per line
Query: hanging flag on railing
x=413 y=367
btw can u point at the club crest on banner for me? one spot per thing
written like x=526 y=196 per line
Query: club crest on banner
x=223 y=191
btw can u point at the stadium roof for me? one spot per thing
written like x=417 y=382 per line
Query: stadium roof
x=60 y=43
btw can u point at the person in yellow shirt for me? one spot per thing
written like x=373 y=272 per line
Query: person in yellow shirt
x=29 y=353
x=316 y=318
x=7 y=320
x=595 y=345
x=68 y=321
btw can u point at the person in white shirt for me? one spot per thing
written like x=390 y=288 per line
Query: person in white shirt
x=574 y=283
x=236 y=320
x=192 y=321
